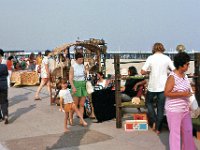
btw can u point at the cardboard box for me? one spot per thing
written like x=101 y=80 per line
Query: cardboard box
x=136 y=125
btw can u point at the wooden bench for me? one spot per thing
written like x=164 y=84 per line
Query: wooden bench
x=131 y=105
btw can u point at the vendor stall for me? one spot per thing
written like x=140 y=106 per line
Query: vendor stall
x=24 y=77
x=94 y=51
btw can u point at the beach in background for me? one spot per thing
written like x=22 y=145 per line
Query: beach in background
x=110 y=65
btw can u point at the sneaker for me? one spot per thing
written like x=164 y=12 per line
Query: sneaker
x=6 y=120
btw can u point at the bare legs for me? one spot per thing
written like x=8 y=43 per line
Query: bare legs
x=69 y=115
x=65 y=122
x=43 y=82
x=79 y=114
x=50 y=92
x=79 y=102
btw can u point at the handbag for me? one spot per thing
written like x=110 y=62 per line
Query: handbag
x=89 y=87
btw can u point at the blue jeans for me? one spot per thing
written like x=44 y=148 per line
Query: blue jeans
x=160 y=103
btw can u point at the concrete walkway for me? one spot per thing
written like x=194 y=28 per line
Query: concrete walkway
x=35 y=125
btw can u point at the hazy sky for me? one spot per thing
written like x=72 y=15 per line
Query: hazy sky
x=126 y=25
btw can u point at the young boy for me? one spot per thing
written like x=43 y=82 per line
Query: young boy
x=66 y=98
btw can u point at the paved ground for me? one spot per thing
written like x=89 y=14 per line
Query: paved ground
x=34 y=125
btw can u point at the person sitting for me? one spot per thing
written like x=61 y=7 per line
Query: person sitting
x=101 y=82
x=133 y=87
x=31 y=61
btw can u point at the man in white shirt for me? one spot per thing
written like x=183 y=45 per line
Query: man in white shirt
x=157 y=66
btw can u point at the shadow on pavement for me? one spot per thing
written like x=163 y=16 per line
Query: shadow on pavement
x=164 y=138
x=78 y=137
x=19 y=98
x=72 y=138
x=20 y=111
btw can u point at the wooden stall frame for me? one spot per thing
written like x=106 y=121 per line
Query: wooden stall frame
x=197 y=74
x=95 y=46
x=117 y=91
x=117 y=87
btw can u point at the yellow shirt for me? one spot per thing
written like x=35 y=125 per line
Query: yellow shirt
x=38 y=60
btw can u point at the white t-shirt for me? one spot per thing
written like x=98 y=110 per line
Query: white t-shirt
x=51 y=63
x=79 y=72
x=103 y=84
x=66 y=96
x=158 y=64
x=45 y=61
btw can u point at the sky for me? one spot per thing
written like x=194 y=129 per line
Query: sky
x=125 y=25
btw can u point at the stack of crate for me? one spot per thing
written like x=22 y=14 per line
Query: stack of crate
x=139 y=123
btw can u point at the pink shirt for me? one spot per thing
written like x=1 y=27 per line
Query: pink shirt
x=180 y=104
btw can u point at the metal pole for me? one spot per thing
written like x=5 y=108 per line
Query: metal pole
x=117 y=91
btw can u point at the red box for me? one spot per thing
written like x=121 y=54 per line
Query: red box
x=142 y=116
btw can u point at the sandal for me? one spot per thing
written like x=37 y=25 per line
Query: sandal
x=6 y=120
x=52 y=104
x=37 y=98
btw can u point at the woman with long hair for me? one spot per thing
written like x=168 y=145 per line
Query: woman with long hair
x=31 y=61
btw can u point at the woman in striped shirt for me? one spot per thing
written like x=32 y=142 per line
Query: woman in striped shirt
x=177 y=92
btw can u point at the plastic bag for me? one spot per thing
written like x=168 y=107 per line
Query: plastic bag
x=193 y=103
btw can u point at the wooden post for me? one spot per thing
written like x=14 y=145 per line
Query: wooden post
x=197 y=73
x=117 y=91
x=61 y=66
x=104 y=63
x=99 y=60
x=198 y=135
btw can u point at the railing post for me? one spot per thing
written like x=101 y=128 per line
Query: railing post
x=197 y=73
x=117 y=91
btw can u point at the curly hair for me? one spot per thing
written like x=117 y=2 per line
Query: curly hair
x=158 y=47
x=181 y=59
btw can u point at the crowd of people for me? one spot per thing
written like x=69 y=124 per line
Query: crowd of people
x=172 y=90
x=167 y=82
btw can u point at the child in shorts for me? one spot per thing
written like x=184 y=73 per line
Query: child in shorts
x=67 y=100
